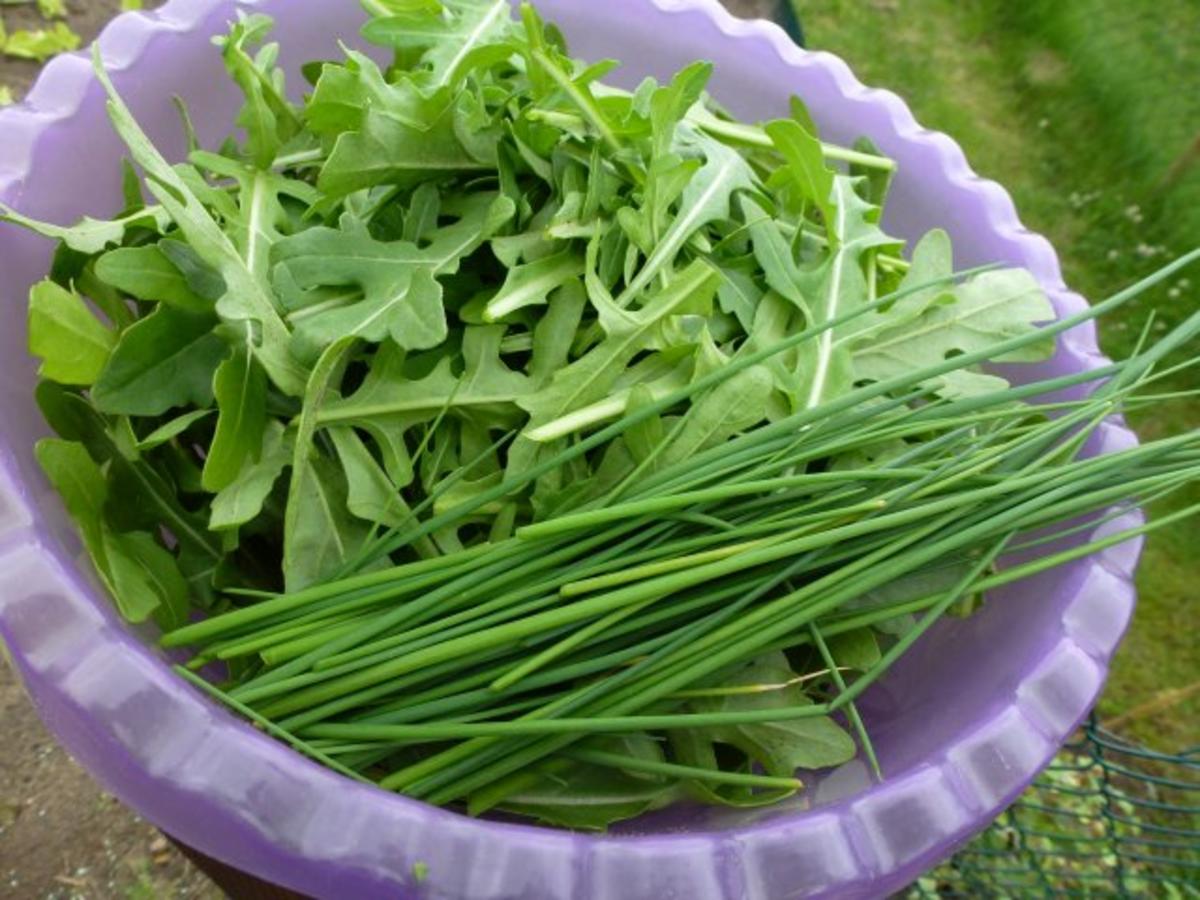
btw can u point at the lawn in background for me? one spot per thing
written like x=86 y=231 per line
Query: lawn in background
x=1088 y=111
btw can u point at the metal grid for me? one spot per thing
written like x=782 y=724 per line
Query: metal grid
x=1106 y=819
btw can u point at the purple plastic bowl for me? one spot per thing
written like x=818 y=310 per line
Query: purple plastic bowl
x=961 y=725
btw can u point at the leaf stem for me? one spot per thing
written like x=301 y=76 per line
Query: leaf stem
x=675 y=770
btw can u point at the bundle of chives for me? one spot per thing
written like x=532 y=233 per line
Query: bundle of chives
x=472 y=676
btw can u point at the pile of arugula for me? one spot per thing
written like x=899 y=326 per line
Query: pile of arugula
x=346 y=367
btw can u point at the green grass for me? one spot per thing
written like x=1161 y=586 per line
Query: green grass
x=1084 y=111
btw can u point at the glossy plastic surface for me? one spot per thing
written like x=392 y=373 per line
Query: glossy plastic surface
x=962 y=725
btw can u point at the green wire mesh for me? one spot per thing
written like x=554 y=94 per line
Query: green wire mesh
x=1106 y=819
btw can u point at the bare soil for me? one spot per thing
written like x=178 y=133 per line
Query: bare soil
x=86 y=17
x=63 y=838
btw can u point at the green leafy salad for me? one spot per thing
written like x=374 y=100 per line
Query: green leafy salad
x=514 y=441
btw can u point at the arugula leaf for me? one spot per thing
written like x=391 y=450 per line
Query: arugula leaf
x=172 y=429
x=346 y=92
x=73 y=344
x=407 y=307
x=555 y=332
x=779 y=747
x=386 y=150
x=240 y=389
x=874 y=182
x=696 y=748
x=372 y=496
x=732 y=407
x=146 y=579
x=241 y=501
x=836 y=287
x=201 y=279
x=148 y=498
x=267 y=117
x=740 y=295
x=255 y=224
x=532 y=283
x=163 y=361
x=245 y=297
x=932 y=261
x=666 y=179
x=987 y=309
x=445 y=37
x=555 y=75
x=659 y=374
x=148 y=274
x=706 y=199
x=857 y=650
x=82 y=486
x=140 y=575
x=805 y=171
x=591 y=376
x=319 y=535
x=381 y=8
x=589 y=797
x=89 y=235
x=643 y=439
x=774 y=256
x=487 y=390
x=401 y=297
x=669 y=105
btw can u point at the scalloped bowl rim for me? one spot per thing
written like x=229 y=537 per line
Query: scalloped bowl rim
x=61 y=90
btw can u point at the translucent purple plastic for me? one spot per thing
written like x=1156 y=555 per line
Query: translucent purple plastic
x=961 y=725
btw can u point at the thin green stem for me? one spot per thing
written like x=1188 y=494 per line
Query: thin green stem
x=627 y=763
